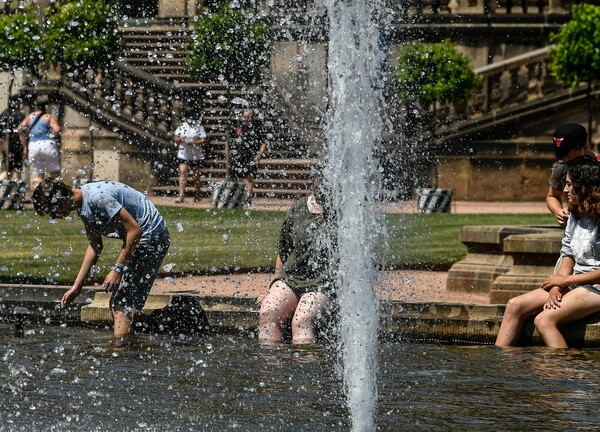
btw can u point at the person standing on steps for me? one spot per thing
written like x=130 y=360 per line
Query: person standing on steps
x=191 y=139
x=247 y=148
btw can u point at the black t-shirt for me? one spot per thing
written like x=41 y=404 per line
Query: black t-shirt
x=247 y=139
x=305 y=245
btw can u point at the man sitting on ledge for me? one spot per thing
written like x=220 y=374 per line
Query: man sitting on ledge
x=113 y=210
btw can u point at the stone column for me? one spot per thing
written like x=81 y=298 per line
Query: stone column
x=178 y=8
x=91 y=152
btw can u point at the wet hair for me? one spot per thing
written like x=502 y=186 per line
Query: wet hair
x=584 y=172
x=46 y=197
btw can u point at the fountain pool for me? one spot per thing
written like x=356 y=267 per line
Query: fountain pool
x=71 y=379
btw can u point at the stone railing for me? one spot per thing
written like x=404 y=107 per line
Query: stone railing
x=417 y=8
x=144 y=108
x=507 y=88
x=134 y=100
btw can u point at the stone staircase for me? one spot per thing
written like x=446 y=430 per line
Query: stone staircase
x=158 y=50
x=286 y=171
x=141 y=100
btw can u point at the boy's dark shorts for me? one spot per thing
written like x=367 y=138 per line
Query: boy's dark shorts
x=140 y=273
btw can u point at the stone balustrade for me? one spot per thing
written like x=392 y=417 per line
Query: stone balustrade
x=506 y=86
x=433 y=7
x=136 y=100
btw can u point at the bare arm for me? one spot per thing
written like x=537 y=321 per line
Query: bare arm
x=124 y=220
x=278 y=270
x=179 y=139
x=54 y=124
x=91 y=257
x=554 y=204
x=261 y=151
x=278 y=265
x=23 y=130
x=555 y=284
x=565 y=276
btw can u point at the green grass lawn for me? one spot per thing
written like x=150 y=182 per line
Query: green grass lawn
x=36 y=249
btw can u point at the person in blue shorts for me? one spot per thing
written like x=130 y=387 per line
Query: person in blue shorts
x=113 y=210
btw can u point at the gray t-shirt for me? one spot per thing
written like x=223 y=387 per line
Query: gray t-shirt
x=558 y=176
x=103 y=200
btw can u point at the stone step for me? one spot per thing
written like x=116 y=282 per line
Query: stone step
x=155 y=62
x=193 y=314
x=207 y=190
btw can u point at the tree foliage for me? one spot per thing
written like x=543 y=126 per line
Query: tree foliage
x=79 y=35
x=228 y=44
x=83 y=34
x=20 y=40
x=434 y=73
x=576 y=57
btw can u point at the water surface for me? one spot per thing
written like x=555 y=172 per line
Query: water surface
x=69 y=379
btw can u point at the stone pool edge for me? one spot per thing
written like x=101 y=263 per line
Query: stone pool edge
x=427 y=322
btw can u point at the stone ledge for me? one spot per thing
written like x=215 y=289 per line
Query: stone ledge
x=42 y=303
x=502 y=259
x=189 y=314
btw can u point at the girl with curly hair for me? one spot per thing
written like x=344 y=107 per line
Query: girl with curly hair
x=574 y=291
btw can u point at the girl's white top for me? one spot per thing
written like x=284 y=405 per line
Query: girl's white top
x=581 y=242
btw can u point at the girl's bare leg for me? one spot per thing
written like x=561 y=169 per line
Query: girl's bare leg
x=518 y=310
x=303 y=323
x=276 y=309
x=575 y=305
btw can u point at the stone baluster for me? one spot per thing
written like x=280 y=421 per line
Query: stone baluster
x=141 y=104
x=118 y=93
x=534 y=83
x=547 y=80
x=128 y=97
x=163 y=119
x=521 y=76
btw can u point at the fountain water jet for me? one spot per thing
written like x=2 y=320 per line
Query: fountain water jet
x=351 y=172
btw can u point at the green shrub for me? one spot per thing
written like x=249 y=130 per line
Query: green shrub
x=21 y=40
x=228 y=44
x=434 y=73
x=576 y=57
x=83 y=34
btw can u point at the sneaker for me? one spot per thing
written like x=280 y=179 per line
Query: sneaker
x=180 y=200
x=197 y=198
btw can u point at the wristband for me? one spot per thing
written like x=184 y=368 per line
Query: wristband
x=118 y=267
